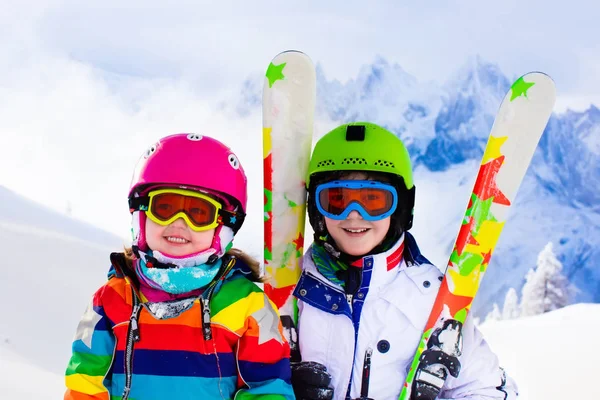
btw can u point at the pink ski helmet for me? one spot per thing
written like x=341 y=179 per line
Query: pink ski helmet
x=196 y=162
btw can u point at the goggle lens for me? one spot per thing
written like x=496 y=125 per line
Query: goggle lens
x=198 y=210
x=167 y=205
x=375 y=201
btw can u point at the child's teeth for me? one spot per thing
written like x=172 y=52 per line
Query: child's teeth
x=176 y=240
x=356 y=230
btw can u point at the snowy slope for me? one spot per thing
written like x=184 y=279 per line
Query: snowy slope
x=548 y=355
x=21 y=379
x=51 y=266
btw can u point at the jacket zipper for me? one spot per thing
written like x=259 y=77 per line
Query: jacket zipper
x=350 y=300
x=366 y=375
x=133 y=336
x=206 y=330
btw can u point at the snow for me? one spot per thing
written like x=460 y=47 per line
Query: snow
x=550 y=356
x=48 y=278
x=546 y=288
x=170 y=309
x=20 y=379
x=592 y=140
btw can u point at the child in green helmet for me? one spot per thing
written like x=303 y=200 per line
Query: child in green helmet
x=366 y=291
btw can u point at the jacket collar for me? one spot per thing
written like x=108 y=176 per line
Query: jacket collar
x=382 y=267
x=377 y=272
x=120 y=268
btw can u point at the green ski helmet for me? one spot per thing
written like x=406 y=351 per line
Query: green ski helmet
x=365 y=147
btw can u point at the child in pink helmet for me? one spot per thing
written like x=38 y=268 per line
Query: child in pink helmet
x=180 y=316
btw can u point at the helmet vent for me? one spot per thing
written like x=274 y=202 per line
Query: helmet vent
x=325 y=163
x=354 y=160
x=150 y=150
x=384 y=163
x=194 y=136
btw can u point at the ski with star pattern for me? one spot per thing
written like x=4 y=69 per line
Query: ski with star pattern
x=519 y=124
x=289 y=96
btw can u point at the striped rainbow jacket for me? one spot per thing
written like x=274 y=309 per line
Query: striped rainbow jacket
x=226 y=344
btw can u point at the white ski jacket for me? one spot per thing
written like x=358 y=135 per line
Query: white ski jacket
x=388 y=315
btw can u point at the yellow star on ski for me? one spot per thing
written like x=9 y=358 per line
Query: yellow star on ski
x=519 y=88
x=487 y=237
x=275 y=73
x=461 y=285
x=492 y=150
x=266 y=141
x=286 y=274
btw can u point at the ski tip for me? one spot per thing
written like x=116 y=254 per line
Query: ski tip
x=536 y=86
x=293 y=51
x=291 y=55
x=539 y=74
x=290 y=64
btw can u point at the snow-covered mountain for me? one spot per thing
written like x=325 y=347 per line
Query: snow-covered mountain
x=385 y=93
x=446 y=128
x=463 y=124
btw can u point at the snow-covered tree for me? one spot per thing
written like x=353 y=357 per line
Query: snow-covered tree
x=510 y=310
x=494 y=315
x=546 y=288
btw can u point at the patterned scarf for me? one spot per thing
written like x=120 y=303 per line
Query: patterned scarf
x=176 y=281
x=327 y=265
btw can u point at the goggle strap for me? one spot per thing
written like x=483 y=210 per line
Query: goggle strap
x=139 y=203
x=232 y=219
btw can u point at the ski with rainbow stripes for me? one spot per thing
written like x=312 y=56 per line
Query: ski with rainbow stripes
x=519 y=124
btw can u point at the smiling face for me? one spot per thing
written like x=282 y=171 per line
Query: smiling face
x=354 y=235
x=177 y=239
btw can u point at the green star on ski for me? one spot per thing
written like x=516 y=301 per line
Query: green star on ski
x=268 y=255
x=466 y=262
x=480 y=211
x=519 y=88
x=269 y=198
x=268 y=203
x=275 y=73
x=291 y=204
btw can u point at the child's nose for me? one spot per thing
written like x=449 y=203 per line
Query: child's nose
x=354 y=215
x=179 y=223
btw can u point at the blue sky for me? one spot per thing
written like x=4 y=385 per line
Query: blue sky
x=86 y=86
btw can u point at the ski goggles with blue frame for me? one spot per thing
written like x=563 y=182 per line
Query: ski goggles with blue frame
x=373 y=200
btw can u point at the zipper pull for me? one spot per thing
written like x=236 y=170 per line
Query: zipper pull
x=133 y=322
x=349 y=299
x=206 y=319
x=366 y=375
